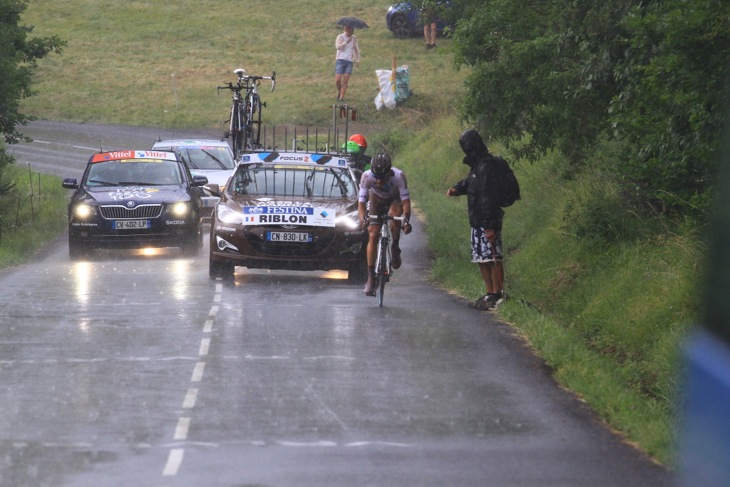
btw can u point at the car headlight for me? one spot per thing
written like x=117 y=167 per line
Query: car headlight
x=83 y=212
x=227 y=215
x=350 y=220
x=179 y=210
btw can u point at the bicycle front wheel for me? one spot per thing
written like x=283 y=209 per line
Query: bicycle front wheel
x=382 y=270
x=237 y=117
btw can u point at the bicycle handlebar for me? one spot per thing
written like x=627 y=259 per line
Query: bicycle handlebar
x=387 y=217
x=246 y=79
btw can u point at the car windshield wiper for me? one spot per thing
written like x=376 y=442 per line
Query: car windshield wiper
x=220 y=163
x=340 y=182
x=308 y=184
x=188 y=160
x=134 y=183
x=101 y=183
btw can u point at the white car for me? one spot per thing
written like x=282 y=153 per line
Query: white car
x=204 y=157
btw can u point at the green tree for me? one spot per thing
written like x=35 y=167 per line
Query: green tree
x=18 y=59
x=565 y=74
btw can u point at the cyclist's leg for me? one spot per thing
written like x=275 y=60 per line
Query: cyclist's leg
x=376 y=206
x=396 y=209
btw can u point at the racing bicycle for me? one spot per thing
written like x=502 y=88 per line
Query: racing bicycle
x=384 y=258
x=245 y=123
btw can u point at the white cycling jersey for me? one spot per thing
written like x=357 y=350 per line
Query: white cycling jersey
x=395 y=188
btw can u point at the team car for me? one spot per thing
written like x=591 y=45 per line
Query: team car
x=134 y=199
x=204 y=157
x=289 y=210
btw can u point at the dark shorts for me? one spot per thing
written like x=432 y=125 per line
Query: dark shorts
x=486 y=245
x=380 y=206
x=343 y=67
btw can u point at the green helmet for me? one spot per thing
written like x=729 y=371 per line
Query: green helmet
x=352 y=147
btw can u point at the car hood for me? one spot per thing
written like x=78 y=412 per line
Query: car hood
x=110 y=195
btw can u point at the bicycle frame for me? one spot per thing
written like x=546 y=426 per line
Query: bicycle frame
x=384 y=258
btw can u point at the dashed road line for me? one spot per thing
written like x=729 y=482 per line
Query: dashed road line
x=176 y=455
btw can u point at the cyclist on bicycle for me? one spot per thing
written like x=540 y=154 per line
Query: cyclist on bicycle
x=383 y=189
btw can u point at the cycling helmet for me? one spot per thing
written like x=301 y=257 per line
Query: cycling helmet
x=352 y=147
x=380 y=166
x=361 y=141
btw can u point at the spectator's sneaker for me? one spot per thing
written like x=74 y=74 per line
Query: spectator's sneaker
x=489 y=302
x=480 y=304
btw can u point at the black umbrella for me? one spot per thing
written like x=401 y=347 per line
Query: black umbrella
x=353 y=22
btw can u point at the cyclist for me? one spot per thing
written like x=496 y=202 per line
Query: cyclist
x=383 y=189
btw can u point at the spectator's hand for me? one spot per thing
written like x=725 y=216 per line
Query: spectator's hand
x=407 y=228
x=450 y=192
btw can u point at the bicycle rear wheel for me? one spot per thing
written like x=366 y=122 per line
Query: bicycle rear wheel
x=253 y=121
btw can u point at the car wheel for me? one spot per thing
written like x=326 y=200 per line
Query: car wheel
x=358 y=272
x=220 y=269
x=401 y=27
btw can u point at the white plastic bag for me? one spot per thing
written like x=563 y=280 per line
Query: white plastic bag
x=386 y=84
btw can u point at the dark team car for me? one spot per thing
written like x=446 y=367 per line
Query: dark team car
x=404 y=19
x=290 y=210
x=134 y=199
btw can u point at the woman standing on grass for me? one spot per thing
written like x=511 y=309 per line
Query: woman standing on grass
x=348 y=53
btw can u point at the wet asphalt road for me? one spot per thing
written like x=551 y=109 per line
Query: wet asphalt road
x=127 y=370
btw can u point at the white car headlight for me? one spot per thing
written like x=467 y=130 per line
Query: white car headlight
x=227 y=215
x=350 y=220
x=82 y=212
x=179 y=210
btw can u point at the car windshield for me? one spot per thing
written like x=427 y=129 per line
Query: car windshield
x=317 y=182
x=125 y=173
x=208 y=158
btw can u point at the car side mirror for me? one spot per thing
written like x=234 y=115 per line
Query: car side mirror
x=214 y=190
x=70 y=183
x=200 y=181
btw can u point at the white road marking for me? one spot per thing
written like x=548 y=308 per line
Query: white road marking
x=208 y=326
x=181 y=430
x=204 y=346
x=174 y=459
x=198 y=372
x=213 y=311
x=190 y=399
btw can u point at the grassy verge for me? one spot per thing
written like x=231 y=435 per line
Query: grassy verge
x=607 y=316
x=31 y=215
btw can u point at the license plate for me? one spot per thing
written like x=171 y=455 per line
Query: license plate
x=131 y=224
x=289 y=237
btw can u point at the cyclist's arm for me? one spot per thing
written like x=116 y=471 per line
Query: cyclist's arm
x=361 y=212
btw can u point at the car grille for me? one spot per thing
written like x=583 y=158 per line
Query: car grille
x=141 y=211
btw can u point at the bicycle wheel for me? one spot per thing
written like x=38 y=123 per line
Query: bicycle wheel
x=237 y=117
x=382 y=270
x=253 y=121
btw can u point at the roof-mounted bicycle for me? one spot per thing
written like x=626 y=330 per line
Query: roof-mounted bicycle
x=245 y=122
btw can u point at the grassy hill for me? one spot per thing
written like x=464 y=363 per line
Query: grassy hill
x=604 y=296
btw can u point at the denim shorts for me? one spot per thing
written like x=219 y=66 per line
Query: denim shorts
x=343 y=66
